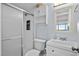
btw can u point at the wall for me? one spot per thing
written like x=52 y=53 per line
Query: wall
x=76 y=18
x=27 y=34
x=51 y=21
x=0 y=29
x=40 y=26
x=44 y=30
x=41 y=31
x=71 y=35
x=11 y=31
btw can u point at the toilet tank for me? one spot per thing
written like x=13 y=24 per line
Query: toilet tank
x=39 y=44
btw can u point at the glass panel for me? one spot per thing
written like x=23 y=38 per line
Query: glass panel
x=62 y=27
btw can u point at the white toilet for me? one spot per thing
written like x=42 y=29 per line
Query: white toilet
x=38 y=46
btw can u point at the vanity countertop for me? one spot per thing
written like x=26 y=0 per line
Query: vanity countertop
x=62 y=44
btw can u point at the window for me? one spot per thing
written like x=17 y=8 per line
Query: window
x=62 y=17
x=62 y=27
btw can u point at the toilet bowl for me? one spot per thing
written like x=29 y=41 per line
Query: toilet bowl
x=32 y=52
x=38 y=46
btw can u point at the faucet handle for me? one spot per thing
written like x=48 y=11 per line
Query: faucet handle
x=62 y=38
x=78 y=50
x=75 y=49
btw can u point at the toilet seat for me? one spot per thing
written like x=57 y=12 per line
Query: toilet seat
x=32 y=52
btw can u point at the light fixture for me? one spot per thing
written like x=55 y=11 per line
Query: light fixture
x=39 y=4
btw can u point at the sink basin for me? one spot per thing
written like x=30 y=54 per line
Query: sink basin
x=62 y=44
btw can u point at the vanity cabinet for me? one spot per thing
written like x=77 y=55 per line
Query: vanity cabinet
x=55 y=51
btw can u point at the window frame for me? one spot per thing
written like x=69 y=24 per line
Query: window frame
x=66 y=28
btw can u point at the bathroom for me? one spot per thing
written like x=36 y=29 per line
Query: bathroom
x=39 y=29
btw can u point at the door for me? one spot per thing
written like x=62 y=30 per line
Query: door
x=11 y=31
x=27 y=33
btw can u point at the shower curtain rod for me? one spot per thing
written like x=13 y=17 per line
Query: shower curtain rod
x=18 y=8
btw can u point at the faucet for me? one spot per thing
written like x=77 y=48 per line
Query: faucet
x=62 y=38
x=75 y=49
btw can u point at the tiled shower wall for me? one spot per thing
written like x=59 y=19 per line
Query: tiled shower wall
x=50 y=31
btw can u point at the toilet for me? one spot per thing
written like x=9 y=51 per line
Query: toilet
x=32 y=52
x=39 y=45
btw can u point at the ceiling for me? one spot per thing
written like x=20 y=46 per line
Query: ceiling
x=26 y=6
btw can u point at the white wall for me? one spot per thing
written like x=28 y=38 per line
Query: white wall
x=43 y=30
x=11 y=31
x=0 y=29
x=27 y=34
x=71 y=35
x=51 y=21
x=76 y=18
x=40 y=26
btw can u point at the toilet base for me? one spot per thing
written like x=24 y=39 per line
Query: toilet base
x=32 y=52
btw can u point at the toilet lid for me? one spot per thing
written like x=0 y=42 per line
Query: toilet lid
x=40 y=40
x=32 y=52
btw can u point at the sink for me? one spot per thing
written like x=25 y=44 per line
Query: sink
x=62 y=44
